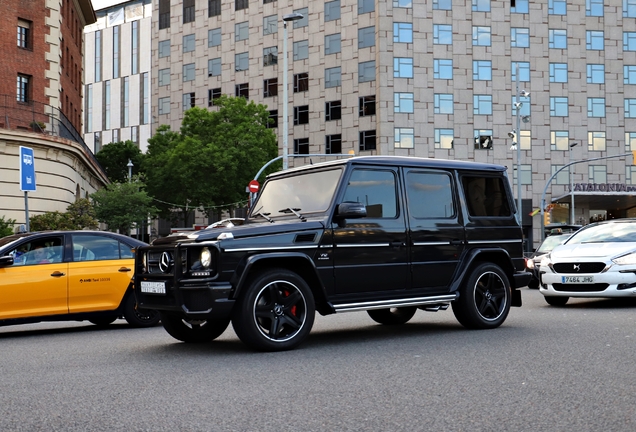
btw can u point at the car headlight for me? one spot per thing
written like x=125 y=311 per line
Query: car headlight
x=530 y=264
x=629 y=259
x=545 y=261
x=206 y=257
x=144 y=261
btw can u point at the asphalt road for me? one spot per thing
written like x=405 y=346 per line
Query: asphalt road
x=545 y=369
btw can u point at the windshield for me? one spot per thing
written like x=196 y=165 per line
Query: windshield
x=604 y=233
x=551 y=242
x=305 y=193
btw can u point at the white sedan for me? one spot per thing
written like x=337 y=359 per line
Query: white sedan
x=599 y=260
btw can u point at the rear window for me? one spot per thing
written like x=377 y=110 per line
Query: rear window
x=485 y=196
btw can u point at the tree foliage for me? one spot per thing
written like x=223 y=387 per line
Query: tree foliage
x=6 y=226
x=212 y=159
x=114 y=159
x=123 y=205
x=78 y=215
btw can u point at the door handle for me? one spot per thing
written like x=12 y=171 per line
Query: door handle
x=397 y=244
x=57 y=274
x=457 y=242
x=124 y=269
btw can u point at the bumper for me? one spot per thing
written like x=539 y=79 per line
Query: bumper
x=607 y=284
x=522 y=279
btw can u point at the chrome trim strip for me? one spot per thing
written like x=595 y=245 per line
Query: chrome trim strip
x=362 y=245
x=431 y=243
x=494 y=241
x=383 y=304
x=278 y=248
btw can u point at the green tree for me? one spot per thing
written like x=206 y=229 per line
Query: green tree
x=82 y=214
x=78 y=215
x=50 y=221
x=123 y=205
x=6 y=226
x=114 y=159
x=212 y=159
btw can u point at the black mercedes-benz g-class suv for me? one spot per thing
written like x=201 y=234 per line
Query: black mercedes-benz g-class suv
x=387 y=235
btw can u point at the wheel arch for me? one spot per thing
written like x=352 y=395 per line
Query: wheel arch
x=474 y=257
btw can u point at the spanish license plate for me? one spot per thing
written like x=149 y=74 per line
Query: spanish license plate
x=153 y=287
x=577 y=279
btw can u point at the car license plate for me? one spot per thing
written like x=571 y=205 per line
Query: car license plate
x=153 y=287
x=577 y=279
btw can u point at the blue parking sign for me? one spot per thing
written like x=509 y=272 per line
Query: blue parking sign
x=27 y=169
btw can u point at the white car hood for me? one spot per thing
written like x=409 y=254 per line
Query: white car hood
x=591 y=250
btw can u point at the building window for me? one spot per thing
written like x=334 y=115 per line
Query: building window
x=301 y=82
x=558 y=106
x=402 y=33
x=144 y=88
x=403 y=102
x=134 y=48
x=482 y=70
x=189 y=72
x=333 y=144
x=367 y=140
x=270 y=24
x=365 y=6
x=594 y=40
x=214 y=67
x=594 y=8
x=519 y=37
x=301 y=50
x=526 y=174
x=301 y=146
x=213 y=94
x=164 y=105
x=115 y=137
x=164 y=77
x=332 y=77
x=481 y=36
x=596 y=107
x=366 y=71
x=189 y=101
x=24 y=88
x=332 y=44
x=367 y=106
x=629 y=74
x=443 y=103
x=443 y=4
x=188 y=11
x=596 y=141
x=558 y=72
x=98 y=141
x=596 y=74
x=559 y=140
x=242 y=90
x=482 y=104
x=520 y=6
x=630 y=175
x=273 y=119
x=270 y=56
x=333 y=110
x=301 y=115
x=125 y=102
x=557 y=39
x=443 y=69
x=481 y=5
x=597 y=173
x=24 y=34
x=366 y=37
x=630 y=141
x=404 y=138
x=524 y=71
x=189 y=43
x=304 y=21
x=116 y=51
x=241 y=31
x=332 y=10
x=98 y=56
x=89 y=108
x=525 y=137
x=164 y=48
x=164 y=14
x=106 y=113
x=268 y=1
x=630 y=108
x=629 y=41
x=134 y=135
x=483 y=139
x=557 y=7
x=214 y=8
x=442 y=34
x=270 y=87
x=444 y=138
x=402 y=3
x=241 y=4
x=214 y=37
x=563 y=177
x=403 y=67
x=629 y=8
x=242 y=61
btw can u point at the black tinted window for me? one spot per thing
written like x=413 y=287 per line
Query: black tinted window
x=429 y=195
x=485 y=196
x=376 y=190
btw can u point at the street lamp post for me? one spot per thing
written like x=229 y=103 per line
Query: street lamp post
x=130 y=165
x=516 y=135
x=290 y=17
x=572 y=221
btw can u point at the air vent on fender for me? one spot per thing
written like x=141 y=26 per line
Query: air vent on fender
x=305 y=238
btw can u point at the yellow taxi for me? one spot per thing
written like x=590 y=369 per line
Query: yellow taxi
x=69 y=275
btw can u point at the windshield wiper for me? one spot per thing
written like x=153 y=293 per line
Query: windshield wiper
x=294 y=211
x=264 y=216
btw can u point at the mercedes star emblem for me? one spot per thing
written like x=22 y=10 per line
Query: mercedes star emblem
x=165 y=262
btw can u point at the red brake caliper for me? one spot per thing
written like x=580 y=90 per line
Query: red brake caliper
x=293 y=308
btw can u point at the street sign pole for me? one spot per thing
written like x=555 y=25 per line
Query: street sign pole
x=26 y=210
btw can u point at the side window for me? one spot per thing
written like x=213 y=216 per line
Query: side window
x=485 y=196
x=94 y=248
x=430 y=195
x=125 y=251
x=46 y=250
x=376 y=190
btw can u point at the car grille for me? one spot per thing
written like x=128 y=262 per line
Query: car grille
x=580 y=287
x=591 y=267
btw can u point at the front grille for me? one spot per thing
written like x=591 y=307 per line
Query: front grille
x=580 y=287
x=586 y=267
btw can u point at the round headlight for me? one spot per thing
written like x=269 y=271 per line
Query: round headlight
x=206 y=257
x=144 y=261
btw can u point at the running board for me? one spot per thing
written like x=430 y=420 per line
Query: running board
x=434 y=301
x=435 y=308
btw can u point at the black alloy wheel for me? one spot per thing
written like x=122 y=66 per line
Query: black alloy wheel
x=138 y=317
x=392 y=316
x=192 y=331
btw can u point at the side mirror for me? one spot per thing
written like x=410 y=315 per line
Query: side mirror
x=6 y=261
x=351 y=210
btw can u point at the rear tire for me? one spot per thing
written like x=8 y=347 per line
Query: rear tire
x=192 y=331
x=556 y=301
x=138 y=317
x=484 y=300
x=392 y=316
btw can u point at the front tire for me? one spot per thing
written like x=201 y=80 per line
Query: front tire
x=275 y=312
x=193 y=331
x=556 y=301
x=392 y=316
x=137 y=317
x=484 y=300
